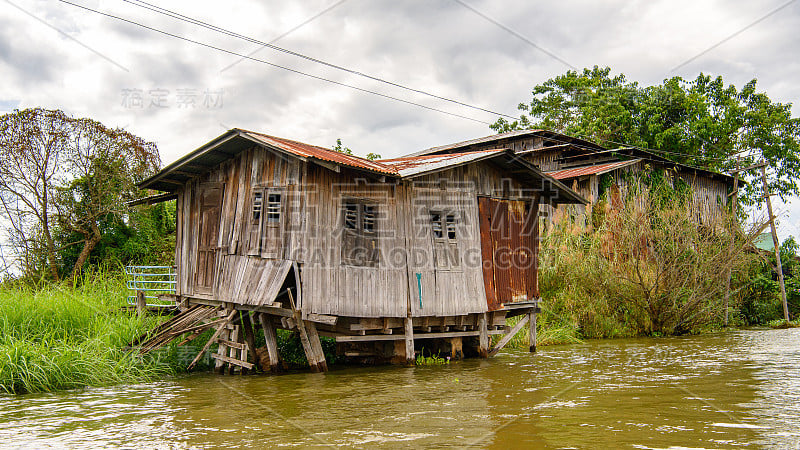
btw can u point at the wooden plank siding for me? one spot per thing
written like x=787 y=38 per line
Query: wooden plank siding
x=312 y=237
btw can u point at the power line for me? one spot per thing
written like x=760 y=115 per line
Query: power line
x=195 y=21
x=733 y=35
x=188 y=19
x=289 y=31
x=316 y=77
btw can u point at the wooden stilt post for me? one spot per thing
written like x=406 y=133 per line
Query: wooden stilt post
x=735 y=201
x=775 y=240
x=409 y=339
x=456 y=348
x=532 y=328
x=309 y=351
x=141 y=303
x=316 y=346
x=308 y=332
x=233 y=352
x=250 y=338
x=271 y=337
x=483 y=339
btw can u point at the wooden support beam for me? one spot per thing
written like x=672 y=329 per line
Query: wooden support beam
x=249 y=336
x=507 y=338
x=483 y=336
x=309 y=351
x=532 y=329
x=400 y=337
x=232 y=344
x=316 y=346
x=733 y=237
x=322 y=318
x=213 y=339
x=456 y=347
x=271 y=337
x=141 y=303
x=775 y=242
x=236 y=362
x=310 y=340
x=409 y=339
x=233 y=352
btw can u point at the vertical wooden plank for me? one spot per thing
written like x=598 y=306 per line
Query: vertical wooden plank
x=271 y=338
x=532 y=329
x=311 y=354
x=316 y=346
x=483 y=338
x=250 y=337
x=409 y=340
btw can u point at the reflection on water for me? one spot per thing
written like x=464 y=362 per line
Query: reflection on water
x=720 y=390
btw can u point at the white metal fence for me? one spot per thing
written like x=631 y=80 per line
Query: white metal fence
x=152 y=281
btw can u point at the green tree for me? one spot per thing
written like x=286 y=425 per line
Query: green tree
x=700 y=122
x=342 y=149
x=66 y=176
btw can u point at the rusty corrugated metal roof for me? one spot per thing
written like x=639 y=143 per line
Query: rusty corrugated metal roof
x=235 y=141
x=416 y=165
x=321 y=153
x=598 y=169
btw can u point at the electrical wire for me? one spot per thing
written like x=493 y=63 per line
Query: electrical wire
x=184 y=18
x=316 y=77
x=188 y=19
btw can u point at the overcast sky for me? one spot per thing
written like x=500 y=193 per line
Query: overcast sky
x=489 y=54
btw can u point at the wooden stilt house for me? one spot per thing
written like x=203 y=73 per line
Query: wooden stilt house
x=591 y=170
x=387 y=257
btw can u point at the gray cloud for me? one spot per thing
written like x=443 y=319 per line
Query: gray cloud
x=434 y=45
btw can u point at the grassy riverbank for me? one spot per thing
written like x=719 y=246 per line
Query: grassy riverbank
x=65 y=336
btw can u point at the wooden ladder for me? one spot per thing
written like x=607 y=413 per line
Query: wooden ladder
x=232 y=349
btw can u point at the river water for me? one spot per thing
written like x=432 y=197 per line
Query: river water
x=723 y=390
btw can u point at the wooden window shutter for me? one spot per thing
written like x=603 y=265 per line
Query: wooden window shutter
x=445 y=234
x=360 y=246
x=254 y=220
x=273 y=223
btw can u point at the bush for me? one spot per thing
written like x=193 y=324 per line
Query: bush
x=648 y=269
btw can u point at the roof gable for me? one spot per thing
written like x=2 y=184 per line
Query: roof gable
x=233 y=142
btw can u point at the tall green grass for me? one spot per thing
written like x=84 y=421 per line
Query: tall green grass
x=71 y=335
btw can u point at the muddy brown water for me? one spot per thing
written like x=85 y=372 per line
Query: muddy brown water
x=724 y=390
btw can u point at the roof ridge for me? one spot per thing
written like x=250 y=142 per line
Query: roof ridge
x=329 y=151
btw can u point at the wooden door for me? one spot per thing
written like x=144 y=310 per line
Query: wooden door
x=210 y=200
x=509 y=250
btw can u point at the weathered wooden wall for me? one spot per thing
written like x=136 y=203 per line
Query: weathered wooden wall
x=313 y=227
x=241 y=275
x=331 y=287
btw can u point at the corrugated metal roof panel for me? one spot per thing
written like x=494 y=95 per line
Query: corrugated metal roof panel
x=321 y=153
x=598 y=169
x=416 y=165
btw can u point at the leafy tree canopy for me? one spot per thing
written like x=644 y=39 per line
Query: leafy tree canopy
x=700 y=122
x=65 y=177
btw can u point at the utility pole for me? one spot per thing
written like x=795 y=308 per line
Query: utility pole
x=735 y=200
x=775 y=240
